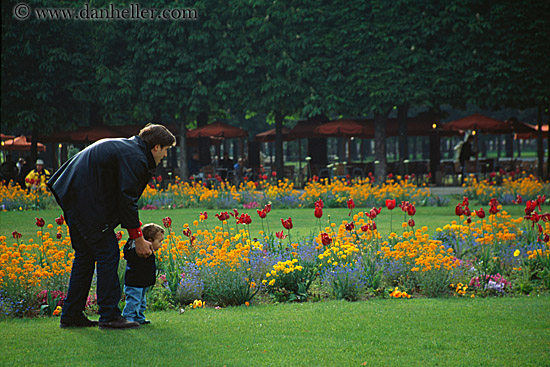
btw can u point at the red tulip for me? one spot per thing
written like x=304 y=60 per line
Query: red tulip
x=325 y=239
x=262 y=213
x=365 y=228
x=319 y=204
x=351 y=204
x=222 y=216
x=16 y=234
x=372 y=213
x=287 y=223
x=390 y=204
x=318 y=212
x=411 y=222
x=480 y=213
x=187 y=232
x=119 y=235
x=244 y=219
x=59 y=235
x=280 y=235
x=458 y=210
x=411 y=210
x=60 y=220
x=530 y=206
x=267 y=208
x=40 y=222
x=167 y=222
x=350 y=226
x=205 y=215
x=159 y=178
x=546 y=238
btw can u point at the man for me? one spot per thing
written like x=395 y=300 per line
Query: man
x=466 y=152
x=226 y=164
x=36 y=179
x=99 y=189
x=8 y=170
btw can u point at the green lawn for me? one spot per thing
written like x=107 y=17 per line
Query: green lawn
x=303 y=219
x=380 y=332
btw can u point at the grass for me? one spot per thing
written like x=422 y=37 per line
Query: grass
x=383 y=332
x=303 y=219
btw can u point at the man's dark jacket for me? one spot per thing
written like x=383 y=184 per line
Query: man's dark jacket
x=99 y=187
x=140 y=271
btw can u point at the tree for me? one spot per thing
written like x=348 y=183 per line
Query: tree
x=45 y=77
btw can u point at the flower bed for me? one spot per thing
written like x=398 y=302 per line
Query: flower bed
x=483 y=252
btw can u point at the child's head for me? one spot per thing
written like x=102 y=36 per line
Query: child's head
x=153 y=232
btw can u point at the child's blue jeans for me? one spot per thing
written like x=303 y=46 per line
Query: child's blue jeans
x=135 y=304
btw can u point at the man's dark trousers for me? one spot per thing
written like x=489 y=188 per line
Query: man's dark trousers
x=107 y=254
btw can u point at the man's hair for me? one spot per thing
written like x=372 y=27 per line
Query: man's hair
x=154 y=134
x=150 y=231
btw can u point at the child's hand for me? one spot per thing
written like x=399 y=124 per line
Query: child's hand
x=144 y=248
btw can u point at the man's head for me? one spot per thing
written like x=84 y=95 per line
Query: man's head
x=39 y=165
x=159 y=139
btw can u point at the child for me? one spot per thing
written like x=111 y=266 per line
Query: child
x=140 y=274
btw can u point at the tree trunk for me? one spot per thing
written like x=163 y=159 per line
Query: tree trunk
x=34 y=146
x=435 y=155
x=402 y=111
x=380 y=166
x=204 y=143
x=540 y=147
x=279 y=163
x=184 y=171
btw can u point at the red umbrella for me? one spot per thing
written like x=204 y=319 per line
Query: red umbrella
x=478 y=122
x=533 y=134
x=269 y=135
x=21 y=143
x=217 y=129
x=346 y=128
x=304 y=129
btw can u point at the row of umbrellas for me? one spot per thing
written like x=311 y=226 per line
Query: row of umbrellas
x=364 y=128
x=361 y=128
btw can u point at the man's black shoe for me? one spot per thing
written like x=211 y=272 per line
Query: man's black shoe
x=118 y=323
x=79 y=322
x=145 y=322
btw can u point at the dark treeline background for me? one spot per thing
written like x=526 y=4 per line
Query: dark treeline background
x=277 y=59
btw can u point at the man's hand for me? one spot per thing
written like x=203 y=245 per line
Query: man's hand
x=144 y=248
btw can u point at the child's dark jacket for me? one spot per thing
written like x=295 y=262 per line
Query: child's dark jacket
x=140 y=271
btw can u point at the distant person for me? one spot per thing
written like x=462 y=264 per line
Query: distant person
x=226 y=164
x=37 y=178
x=24 y=168
x=8 y=170
x=98 y=189
x=466 y=152
x=194 y=165
x=140 y=274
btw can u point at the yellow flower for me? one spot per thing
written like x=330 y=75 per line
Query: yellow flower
x=516 y=253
